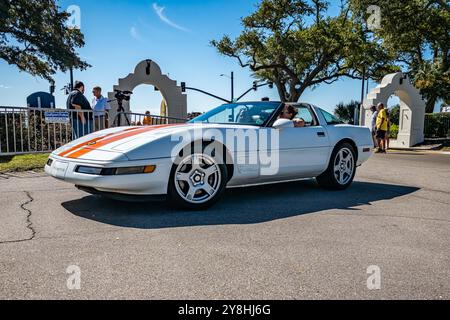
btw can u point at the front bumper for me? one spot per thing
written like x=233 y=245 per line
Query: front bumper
x=155 y=183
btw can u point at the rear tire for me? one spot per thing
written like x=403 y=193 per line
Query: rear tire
x=197 y=180
x=341 y=170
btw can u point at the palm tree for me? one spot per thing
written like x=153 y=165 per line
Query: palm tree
x=346 y=112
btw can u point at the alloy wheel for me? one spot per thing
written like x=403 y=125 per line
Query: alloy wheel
x=198 y=178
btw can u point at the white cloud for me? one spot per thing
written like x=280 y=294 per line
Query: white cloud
x=160 y=12
x=135 y=33
x=4 y=87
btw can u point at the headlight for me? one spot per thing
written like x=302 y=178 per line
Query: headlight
x=115 y=171
x=89 y=170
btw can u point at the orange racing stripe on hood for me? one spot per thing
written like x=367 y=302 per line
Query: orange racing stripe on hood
x=87 y=143
x=85 y=150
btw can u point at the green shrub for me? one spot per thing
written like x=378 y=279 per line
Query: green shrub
x=437 y=125
x=394 y=131
x=31 y=132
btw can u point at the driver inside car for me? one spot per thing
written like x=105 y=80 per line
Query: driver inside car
x=289 y=113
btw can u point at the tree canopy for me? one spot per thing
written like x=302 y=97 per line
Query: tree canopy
x=295 y=44
x=35 y=37
x=417 y=33
x=298 y=45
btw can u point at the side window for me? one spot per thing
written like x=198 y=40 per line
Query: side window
x=329 y=118
x=304 y=113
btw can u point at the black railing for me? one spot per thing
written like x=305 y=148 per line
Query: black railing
x=139 y=119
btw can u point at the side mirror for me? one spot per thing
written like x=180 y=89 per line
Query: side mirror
x=283 y=123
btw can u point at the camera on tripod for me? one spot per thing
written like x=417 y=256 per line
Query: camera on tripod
x=123 y=95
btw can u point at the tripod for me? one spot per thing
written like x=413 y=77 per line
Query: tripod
x=120 y=112
x=120 y=97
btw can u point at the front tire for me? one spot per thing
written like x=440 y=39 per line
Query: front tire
x=197 y=181
x=341 y=170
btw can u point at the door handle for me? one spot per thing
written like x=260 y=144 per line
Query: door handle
x=321 y=134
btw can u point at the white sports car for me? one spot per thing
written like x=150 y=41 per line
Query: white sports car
x=233 y=145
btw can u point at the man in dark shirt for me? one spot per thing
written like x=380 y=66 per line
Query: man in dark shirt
x=82 y=122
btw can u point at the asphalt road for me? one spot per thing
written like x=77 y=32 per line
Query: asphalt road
x=287 y=241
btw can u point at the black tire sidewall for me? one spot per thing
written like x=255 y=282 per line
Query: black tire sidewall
x=328 y=178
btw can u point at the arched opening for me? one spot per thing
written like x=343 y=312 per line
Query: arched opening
x=146 y=98
x=398 y=94
x=393 y=106
x=147 y=72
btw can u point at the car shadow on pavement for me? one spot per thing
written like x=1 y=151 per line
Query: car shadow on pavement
x=248 y=205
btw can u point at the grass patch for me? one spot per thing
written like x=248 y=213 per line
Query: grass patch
x=23 y=163
x=446 y=149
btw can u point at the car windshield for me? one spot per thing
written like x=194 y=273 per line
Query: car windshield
x=249 y=113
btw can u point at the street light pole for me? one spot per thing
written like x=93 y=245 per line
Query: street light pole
x=357 y=114
x=232 y=83
x=232 y=86
x=71 y=79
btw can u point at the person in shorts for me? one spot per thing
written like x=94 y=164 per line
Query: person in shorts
x=388 y=133
x=381 y=128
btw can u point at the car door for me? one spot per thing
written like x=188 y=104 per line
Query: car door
x=303 y=151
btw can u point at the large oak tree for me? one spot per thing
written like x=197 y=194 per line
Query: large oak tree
x=295 y=44
x=417 y=33
x=35 y=37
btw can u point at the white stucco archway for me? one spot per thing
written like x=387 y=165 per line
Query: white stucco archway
x=148 y=72
x=412 y=108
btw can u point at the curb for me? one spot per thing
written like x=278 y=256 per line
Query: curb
x=429 y=151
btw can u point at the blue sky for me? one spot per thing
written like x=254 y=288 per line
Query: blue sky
x=173 y=33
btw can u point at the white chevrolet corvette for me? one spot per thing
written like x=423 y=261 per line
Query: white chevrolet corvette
x=233 y=145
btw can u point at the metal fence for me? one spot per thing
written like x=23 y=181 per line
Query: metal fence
x=29 y=130
x=140 y=119
x=437 y=125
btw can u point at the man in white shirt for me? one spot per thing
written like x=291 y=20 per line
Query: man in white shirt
x=373 y=128
x=101 y=107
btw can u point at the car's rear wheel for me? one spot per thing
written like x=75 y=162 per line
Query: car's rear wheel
x=341 y=170
x=197 y=181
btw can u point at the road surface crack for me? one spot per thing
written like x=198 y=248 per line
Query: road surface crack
x=28 y=221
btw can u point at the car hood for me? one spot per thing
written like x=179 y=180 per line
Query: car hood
x=127 y=140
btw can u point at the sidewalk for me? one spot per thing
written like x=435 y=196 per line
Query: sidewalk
x=430 y=149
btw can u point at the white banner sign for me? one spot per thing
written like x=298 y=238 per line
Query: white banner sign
x=57 y=117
